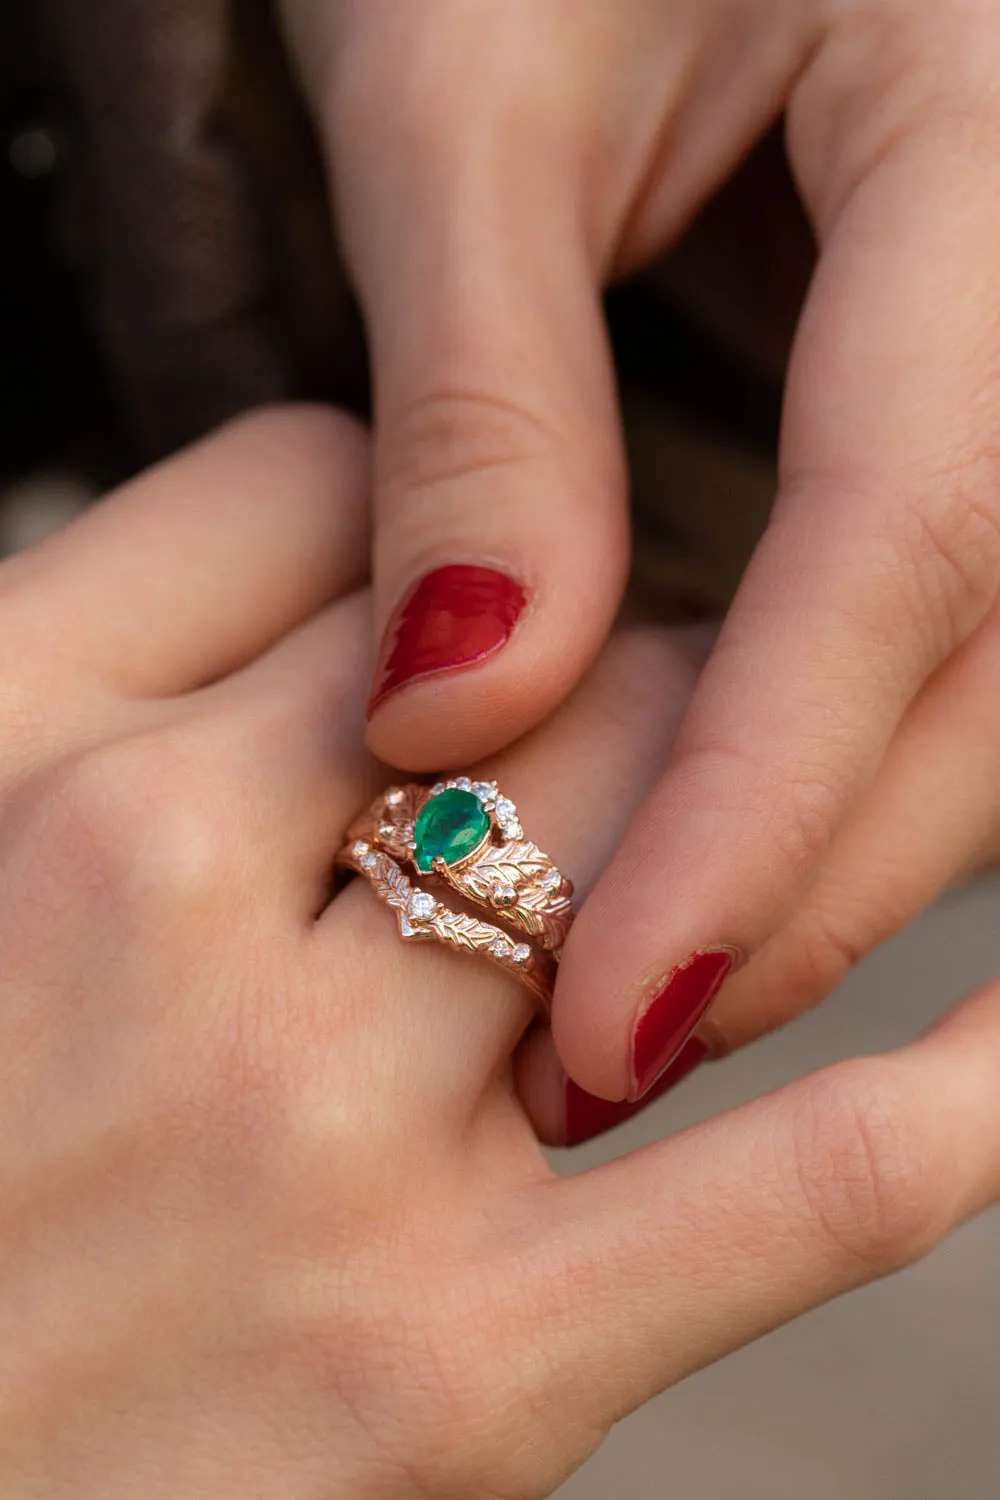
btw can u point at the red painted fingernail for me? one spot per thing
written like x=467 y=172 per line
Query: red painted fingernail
x=454 y=617
x=587 y=1116
x=665 y=1024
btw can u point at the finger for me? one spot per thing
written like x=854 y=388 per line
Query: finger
x=883 y=556
x=562 y=1113
x=575 y=781
x=932 y=816
x=501 y=532
x=669 y=1258
x=197 y=566
x=288 y=731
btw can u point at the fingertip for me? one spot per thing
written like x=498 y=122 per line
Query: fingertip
x=586 y=1116
x=452 y=619
x=473 y=657
x=565 y=1115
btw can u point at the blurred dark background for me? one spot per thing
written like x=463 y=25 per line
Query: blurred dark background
x=167 y=261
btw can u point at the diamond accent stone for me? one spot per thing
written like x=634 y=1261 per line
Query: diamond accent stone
x=394 y=796
x=368 y=861
x=521 y=954
x=437 y=788
x=422 y=906
x=551 y=880
x=360 y=848
x=506 y=811
x=503 y=895
x=464 y=784
x=500 y=948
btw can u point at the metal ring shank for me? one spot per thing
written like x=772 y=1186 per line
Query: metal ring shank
x=422 y=917
x=507 y=875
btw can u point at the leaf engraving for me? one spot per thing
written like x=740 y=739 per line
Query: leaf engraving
x=538 y=912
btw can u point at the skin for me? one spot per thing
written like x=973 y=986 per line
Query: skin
x=275 y=1219
x=493 y=168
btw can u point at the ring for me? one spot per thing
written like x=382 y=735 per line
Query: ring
x=421 y=917
x=470 y=836
x=467 y=836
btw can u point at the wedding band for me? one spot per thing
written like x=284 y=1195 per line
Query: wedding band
x=422 y=917
x=470 y=836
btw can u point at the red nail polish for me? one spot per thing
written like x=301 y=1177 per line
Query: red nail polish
x=453 y=618
x=670 y=1017
x=587 y=1116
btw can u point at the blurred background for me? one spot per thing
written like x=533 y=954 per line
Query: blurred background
x=166 y=261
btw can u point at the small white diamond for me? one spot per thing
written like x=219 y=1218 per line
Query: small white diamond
x=482 y=790
x=506 y=811
x=513 y=830
x=394 y=796
x=437 y=788
x=368 y=861
x=464 y=784
x=360 y=848
x=551 y=880
x=503 y=895
x=521 y=953
x=500 y=948
x=449 y=786
x=422 y=906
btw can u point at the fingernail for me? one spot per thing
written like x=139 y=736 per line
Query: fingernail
x=454 y=617
x=587 y=1116
x=666 y=1022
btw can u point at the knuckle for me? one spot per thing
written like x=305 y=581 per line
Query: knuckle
x=951 y=544
x=647 y=674
x=125 y=822
x=731 y=780
x=865 y=1170
x=822 y=948
x=449 y=434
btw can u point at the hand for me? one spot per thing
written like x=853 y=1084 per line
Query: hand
x=493 y=166
x=274 y=1219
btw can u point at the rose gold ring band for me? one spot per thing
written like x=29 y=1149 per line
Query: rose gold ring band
x=465 y=836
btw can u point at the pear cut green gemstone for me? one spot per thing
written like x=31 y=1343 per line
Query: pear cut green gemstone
x=453 y=824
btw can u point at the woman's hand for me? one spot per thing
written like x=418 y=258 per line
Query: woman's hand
x=493 y=166
x=273 y=1217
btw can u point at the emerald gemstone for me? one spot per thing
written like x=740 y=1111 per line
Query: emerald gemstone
x=453 y=824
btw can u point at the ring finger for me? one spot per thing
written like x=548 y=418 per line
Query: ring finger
x=576 y=781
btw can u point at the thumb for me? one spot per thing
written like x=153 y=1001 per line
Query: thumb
x=501 y=534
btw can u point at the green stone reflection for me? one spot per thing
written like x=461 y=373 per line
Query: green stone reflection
x=453 y=824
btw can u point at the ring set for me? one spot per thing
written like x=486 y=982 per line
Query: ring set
x=465 y=836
